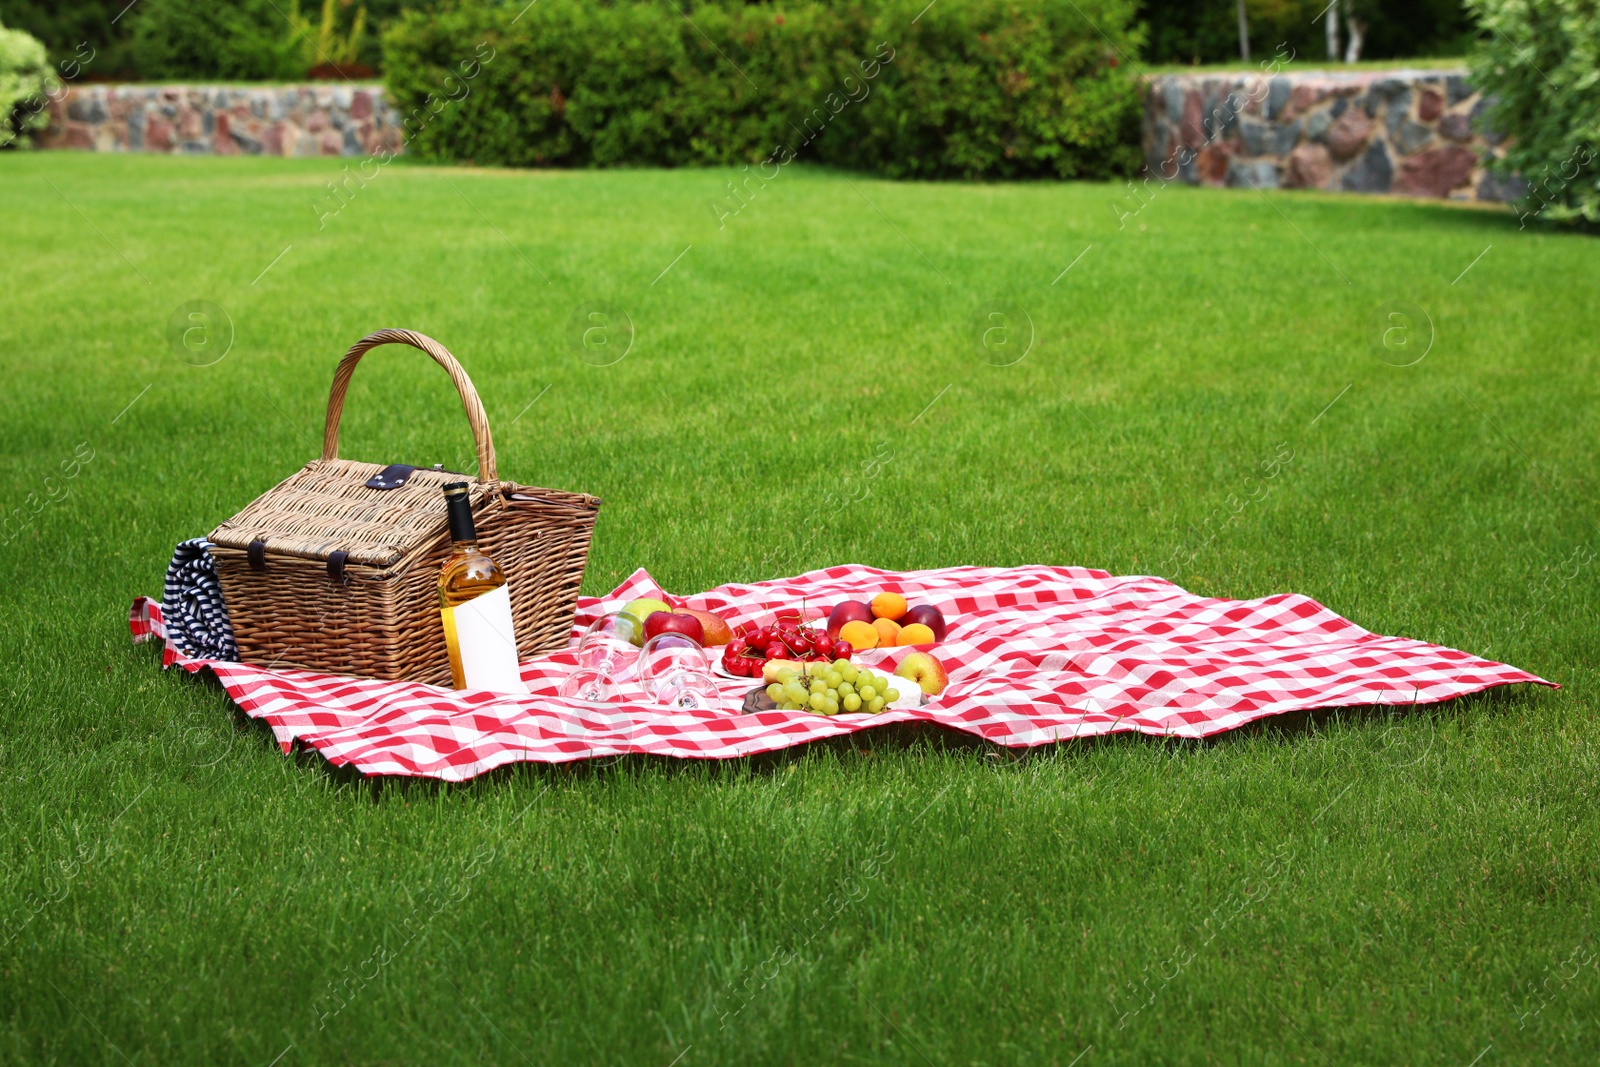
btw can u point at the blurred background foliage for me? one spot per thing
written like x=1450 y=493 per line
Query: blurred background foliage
x=270 y=40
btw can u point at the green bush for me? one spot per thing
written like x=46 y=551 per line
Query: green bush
x=247 y=40
x=1540 y=62
x=979 y=88
x=25 y=79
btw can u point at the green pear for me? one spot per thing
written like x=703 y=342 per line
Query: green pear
x=640 y=610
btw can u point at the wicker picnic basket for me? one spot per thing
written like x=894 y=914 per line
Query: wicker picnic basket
x=336 y=569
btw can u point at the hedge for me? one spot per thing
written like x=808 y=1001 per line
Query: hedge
x=968 y=88
x=1539 y=62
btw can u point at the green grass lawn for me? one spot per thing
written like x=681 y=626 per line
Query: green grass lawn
x=1364 y=887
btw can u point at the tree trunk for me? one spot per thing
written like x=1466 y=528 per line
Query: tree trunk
x=1244 y=33
x=1330 y=15
x=1358 y=34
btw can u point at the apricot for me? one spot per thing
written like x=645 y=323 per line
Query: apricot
x=888 y=632
x=889 y=606
x=915 y=634
x=861 y=635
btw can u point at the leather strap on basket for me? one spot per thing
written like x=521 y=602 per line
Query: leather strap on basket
x=469 y=396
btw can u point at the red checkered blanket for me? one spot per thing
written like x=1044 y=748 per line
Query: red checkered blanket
x=1035 y=655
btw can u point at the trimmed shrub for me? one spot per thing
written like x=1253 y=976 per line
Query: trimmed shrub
x=1540 y=62
x=25 y=81
x=980 y=88
x=198 y=39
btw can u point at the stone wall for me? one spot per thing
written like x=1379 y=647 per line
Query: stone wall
x=1413 y=132
x=290 y=120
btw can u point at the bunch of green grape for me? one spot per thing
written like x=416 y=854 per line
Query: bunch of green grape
x=829 y=688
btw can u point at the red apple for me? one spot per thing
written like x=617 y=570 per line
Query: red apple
x=927 y=615
x=660 y=622
x=847 y=611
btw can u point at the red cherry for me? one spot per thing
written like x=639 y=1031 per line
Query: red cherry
x=823 y=644
x=736 y=646
x=842 y=650
x=776 y=651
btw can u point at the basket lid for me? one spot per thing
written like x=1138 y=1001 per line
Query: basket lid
x=328 y=507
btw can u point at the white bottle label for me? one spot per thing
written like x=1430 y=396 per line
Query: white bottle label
x=486 y=640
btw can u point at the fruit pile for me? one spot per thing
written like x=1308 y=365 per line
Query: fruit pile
x=657 y=617
x=829 y=688
x=887 y=622
x=786 y=639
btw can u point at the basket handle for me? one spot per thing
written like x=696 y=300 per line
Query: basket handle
x=469 y=396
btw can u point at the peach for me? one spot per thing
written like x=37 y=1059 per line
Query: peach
x=888 y=632
x=889 y=606
x=860 y=635
x=915 y=634
x=717 y=630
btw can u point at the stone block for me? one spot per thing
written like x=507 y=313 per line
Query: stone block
x=1305 y=96
x=1457 y=126
x=1191 y=129
x=361 y=105
x=1278 y=91
x=87 y=108
x=1429 y=104
x=1398 y=110
x=1211 y=167
x=1268 y=139
x=1412 y=137
x=1310 y=167
x=1457 y=89
x=1436 y=172
x=1257 y=175
x=1494 y=187
x=157 y=134
x=1372 y=173
x=1257 y=137
x=1349 y=134
x=1317 y=124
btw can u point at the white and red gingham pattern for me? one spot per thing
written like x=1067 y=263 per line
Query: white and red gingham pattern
x=1035 y=655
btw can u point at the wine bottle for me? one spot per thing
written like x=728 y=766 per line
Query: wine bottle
x=475 y=605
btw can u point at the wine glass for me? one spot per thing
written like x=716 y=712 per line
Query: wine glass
x=610 y=644
x=686 y=689
x=664 y=658
x=589 y=685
